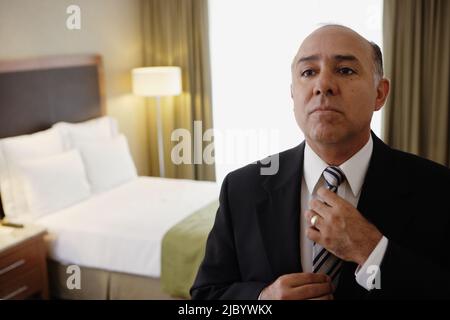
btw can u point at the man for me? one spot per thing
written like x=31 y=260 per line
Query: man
x=345 y=216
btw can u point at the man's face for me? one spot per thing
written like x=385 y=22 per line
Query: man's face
x=333 y=86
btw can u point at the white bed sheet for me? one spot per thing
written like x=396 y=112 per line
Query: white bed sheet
x=122 y=229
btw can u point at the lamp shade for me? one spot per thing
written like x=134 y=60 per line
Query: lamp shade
x=157 y=81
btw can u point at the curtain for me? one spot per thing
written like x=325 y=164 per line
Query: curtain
x=416 y=36
x=176 y=34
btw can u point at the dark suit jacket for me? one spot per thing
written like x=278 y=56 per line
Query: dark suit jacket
x=255 y=238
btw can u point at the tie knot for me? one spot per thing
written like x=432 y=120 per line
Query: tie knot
x=333 y=177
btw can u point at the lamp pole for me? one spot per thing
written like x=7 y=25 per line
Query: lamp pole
x=160 y=136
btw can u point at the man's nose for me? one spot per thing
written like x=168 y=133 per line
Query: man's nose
x=325 y=85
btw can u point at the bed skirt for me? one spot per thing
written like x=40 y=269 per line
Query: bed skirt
x=99 y=284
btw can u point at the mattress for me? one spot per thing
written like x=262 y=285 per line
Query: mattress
x=122 y=229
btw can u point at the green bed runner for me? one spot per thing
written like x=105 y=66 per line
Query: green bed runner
x=183 y=249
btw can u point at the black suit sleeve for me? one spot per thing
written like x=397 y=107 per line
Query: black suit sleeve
x=408 y=275
x=219 y=276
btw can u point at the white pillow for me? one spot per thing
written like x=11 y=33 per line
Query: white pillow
x=98 y=128
x=108 y=162
x=14 y=150
x=54 y=182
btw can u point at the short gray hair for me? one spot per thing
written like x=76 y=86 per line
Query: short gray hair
x=377 y=60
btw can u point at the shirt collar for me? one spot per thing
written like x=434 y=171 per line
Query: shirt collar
x=354 y=168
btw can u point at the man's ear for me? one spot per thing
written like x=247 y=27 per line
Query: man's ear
x=292 y=94
x=382 y=93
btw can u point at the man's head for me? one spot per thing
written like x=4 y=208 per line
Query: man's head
x=337 y=84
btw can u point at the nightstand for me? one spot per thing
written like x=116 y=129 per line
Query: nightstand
x=23 y=266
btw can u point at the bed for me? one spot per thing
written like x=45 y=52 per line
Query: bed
x=124 y=238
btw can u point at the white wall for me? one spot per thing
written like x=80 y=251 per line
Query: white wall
x=252 y=45
x=111 y=28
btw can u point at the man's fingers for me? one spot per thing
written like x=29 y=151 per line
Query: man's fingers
x=313 y=290
x=313 y=235
x=331 y=198
x=299 y=286
x=321 y=208
x=325 y=297
x=309 y=214
x=303 y=278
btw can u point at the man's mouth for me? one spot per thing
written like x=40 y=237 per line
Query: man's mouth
x=324 y=109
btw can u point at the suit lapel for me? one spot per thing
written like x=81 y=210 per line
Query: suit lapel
x=279 y=213
x=383 y=185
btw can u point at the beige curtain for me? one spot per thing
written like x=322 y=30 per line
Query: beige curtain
x=176 y=34
x=416 y=45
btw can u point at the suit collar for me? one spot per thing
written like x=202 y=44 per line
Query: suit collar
x=354 y=168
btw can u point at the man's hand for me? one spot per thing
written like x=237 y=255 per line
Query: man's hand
x=299 y=286
x=341 y=228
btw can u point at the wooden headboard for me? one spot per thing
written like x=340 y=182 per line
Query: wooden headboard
x=36 y=93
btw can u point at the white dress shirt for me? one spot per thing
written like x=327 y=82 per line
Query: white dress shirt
x=355 y=170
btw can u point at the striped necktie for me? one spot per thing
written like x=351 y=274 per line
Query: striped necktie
x=323 y=260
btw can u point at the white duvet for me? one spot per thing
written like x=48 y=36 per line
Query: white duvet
x=122 y=229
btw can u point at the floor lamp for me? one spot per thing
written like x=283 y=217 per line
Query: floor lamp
x=157 y=82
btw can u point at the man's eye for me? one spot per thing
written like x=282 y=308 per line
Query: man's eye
x=308 y=73
x=346 y=71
